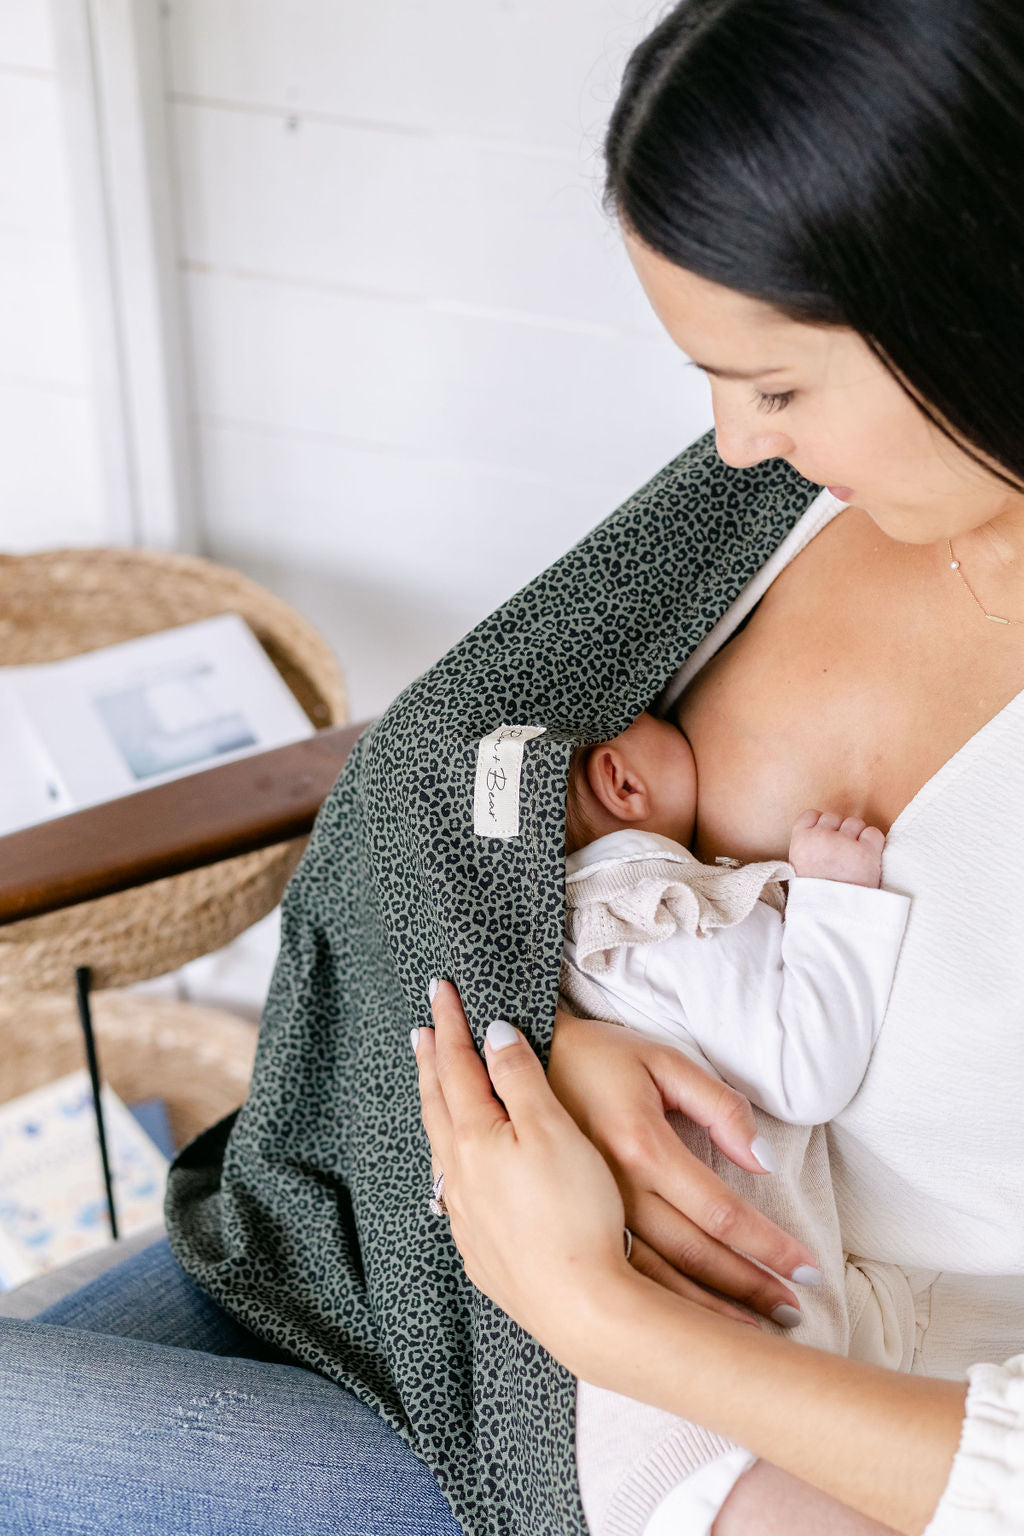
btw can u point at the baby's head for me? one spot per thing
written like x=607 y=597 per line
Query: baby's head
x=645 y=778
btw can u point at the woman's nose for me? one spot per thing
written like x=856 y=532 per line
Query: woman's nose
x=741 y=449
x=743 y=437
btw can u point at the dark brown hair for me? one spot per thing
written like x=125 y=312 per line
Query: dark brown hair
x=578 y=830
x=857 y=163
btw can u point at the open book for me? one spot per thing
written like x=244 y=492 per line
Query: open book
x=113 y=721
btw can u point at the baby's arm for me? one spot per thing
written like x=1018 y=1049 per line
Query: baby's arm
x=788 y=1012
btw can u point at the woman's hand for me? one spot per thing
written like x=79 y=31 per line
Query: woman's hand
x=617 y=1085
x=534 y=1209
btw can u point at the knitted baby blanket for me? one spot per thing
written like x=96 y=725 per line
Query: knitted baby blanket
x=305 y=1213
x=646 y=897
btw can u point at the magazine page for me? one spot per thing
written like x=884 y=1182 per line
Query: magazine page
x=117 y=720
x=30 y=787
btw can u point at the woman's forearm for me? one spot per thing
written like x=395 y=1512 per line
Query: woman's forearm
x=880 y=1442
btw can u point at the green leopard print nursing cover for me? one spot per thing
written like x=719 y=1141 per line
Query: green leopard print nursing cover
x=305 y=1215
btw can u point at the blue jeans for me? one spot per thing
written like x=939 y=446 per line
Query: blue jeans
x=137 y=1406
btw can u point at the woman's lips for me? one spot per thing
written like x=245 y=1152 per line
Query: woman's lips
x=841 y=492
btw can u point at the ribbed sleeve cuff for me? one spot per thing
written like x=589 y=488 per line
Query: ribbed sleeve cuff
x=678 y=1467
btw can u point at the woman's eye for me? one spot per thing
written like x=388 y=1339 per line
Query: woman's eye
x=772 y=402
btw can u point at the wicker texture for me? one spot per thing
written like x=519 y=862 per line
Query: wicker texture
x=198 y=1060
x=63 y=602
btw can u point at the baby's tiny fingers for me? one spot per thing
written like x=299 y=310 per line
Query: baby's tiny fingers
x=873 y=837
x=853 y=826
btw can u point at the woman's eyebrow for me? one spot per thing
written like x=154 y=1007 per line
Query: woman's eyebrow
x=733 y=373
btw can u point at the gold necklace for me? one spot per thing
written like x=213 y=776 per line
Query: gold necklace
x=954 y=565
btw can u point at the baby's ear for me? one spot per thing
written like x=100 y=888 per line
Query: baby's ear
x=616 y=784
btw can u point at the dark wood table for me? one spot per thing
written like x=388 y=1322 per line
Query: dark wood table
x=188 y=823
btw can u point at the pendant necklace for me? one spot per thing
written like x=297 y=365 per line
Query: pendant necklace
x=954 y=565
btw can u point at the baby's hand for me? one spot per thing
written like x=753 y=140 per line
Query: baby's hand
x=825 y=847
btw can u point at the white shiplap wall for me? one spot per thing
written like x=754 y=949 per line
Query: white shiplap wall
x=422 y=366
x=50 y=489
x=419 y=366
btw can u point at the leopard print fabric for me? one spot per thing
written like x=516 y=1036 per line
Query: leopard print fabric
x=305 y=1216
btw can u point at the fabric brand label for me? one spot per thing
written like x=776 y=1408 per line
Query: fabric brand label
x=499 y=769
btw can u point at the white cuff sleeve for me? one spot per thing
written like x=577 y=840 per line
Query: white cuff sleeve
x=693 y=1506
x=985 y=1492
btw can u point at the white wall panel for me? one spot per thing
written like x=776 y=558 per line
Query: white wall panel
x=442 y=384
x=423 y=367
x=395 y=556
x=49 y=474
x=25 y=37
x=470 y=535
x=468 y=221
x=41 y=330
x=33 y=175
x=524 y=70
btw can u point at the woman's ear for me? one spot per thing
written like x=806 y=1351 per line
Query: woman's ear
x=616 y=784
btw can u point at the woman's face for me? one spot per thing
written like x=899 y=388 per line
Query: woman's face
x=833 y=411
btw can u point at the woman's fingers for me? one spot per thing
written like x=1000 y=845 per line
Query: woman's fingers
x=465 y=1086
x=617 y=1084
x=684 y=1247
x=535 y=1212
x=650 y=1263
x=437 y=1122
x=512 y=1069
x=691 y=1188
x=690 y=1221
x=521 y=1082
x=725 y=1113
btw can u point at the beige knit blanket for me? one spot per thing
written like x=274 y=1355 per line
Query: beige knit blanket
x=645 y=899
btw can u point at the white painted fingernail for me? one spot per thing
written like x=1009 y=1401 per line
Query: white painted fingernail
x=806 y=1274
x=787 y=1317
x=500 y=1034
x=414 y=1037
x=764 y=1154
x=432 y=989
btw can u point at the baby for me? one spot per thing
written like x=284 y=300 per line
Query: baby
x=786 y=1011
x=782 y=998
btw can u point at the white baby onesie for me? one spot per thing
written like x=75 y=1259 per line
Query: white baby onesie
x=785 y=1011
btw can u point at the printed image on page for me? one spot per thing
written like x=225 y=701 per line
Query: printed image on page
x=170 y=722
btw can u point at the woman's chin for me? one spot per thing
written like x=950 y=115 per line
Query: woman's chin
x=905 y=527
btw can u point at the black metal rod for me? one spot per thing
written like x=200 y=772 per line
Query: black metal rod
x=83 y=985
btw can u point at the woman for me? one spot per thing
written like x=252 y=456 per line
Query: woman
x=306 y=1217
x=773 y=248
